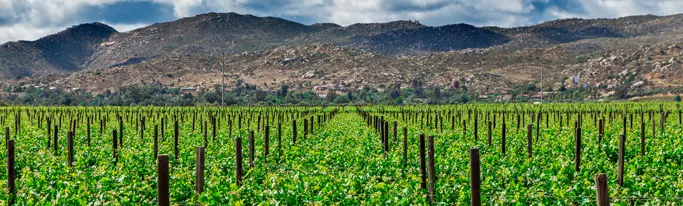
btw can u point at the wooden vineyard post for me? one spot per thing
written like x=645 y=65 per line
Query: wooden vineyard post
x=577 y=150
x=642 y=139
x=11 y=186
x=475 y=175
x=395 y=132
x=305 y=128
x=538 y=126
x=620 y=167
x=602 y=194
x=175 y=139
x=88 y=131
x=502 y=148
x=206 y=131
x=662 y=120
x=55 y=141
x=121 y=132
x=199 y=173
x=386 y=137
x=624 y=124
x=441 y=123
x=405 y=147
x=251 y=149
x=102 y=126
x=464 y=129
x=294 y=131
x=489 y=133
x=529 y=143
x=654 y=129
x=518 y=122
x=258 y=122
x=114 y=146
x=17 y=124
x=142 y=129
x=163 y=129
x=238 y=163
x=312 y=127
x=70 y=143
x=229 y=128
x=423 y=164
x=213 y=127
x=49 y=134
x=279 y=140
x=432 y=172
x=163 y=195
x=266 y=141
x=7 y=136
x=476 y=127
x=49 y=130
x=601 y=130
x=156 y=141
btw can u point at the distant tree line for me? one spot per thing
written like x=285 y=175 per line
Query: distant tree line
x=241 y=94
x=246 y=94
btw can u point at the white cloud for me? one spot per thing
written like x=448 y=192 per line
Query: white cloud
x=32 y=19
x=25 y=32
x=30 y=33
x=182 y=8
x=620 y=8
x=484 y=12
x=125 y=27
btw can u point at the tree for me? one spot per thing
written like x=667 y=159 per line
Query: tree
x=621 y=92
x=261 y=95
x=394 y=94
x=331 y=95
x=398 y=100
x=437 y=92
x=416 y=84
x=283 y=90
x=341 y=99
x=677 y=98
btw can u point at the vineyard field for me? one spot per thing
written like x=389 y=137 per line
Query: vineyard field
x=492 y=154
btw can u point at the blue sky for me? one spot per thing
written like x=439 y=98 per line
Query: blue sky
x=31 y=19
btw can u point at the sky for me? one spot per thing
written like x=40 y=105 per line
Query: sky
x=32 y=19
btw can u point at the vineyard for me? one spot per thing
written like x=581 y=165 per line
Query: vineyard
x=490 y=154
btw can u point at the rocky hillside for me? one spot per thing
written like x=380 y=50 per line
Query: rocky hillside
x=639 y=52
x=66 y=51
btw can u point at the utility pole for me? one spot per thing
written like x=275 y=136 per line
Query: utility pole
x=222 y=78
x=540 y=64
x=232 y=48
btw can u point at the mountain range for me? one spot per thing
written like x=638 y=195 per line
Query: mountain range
x=638 y=52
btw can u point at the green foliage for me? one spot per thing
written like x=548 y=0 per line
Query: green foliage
x=341 y=99
x=342 y=162
x=246 y=94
